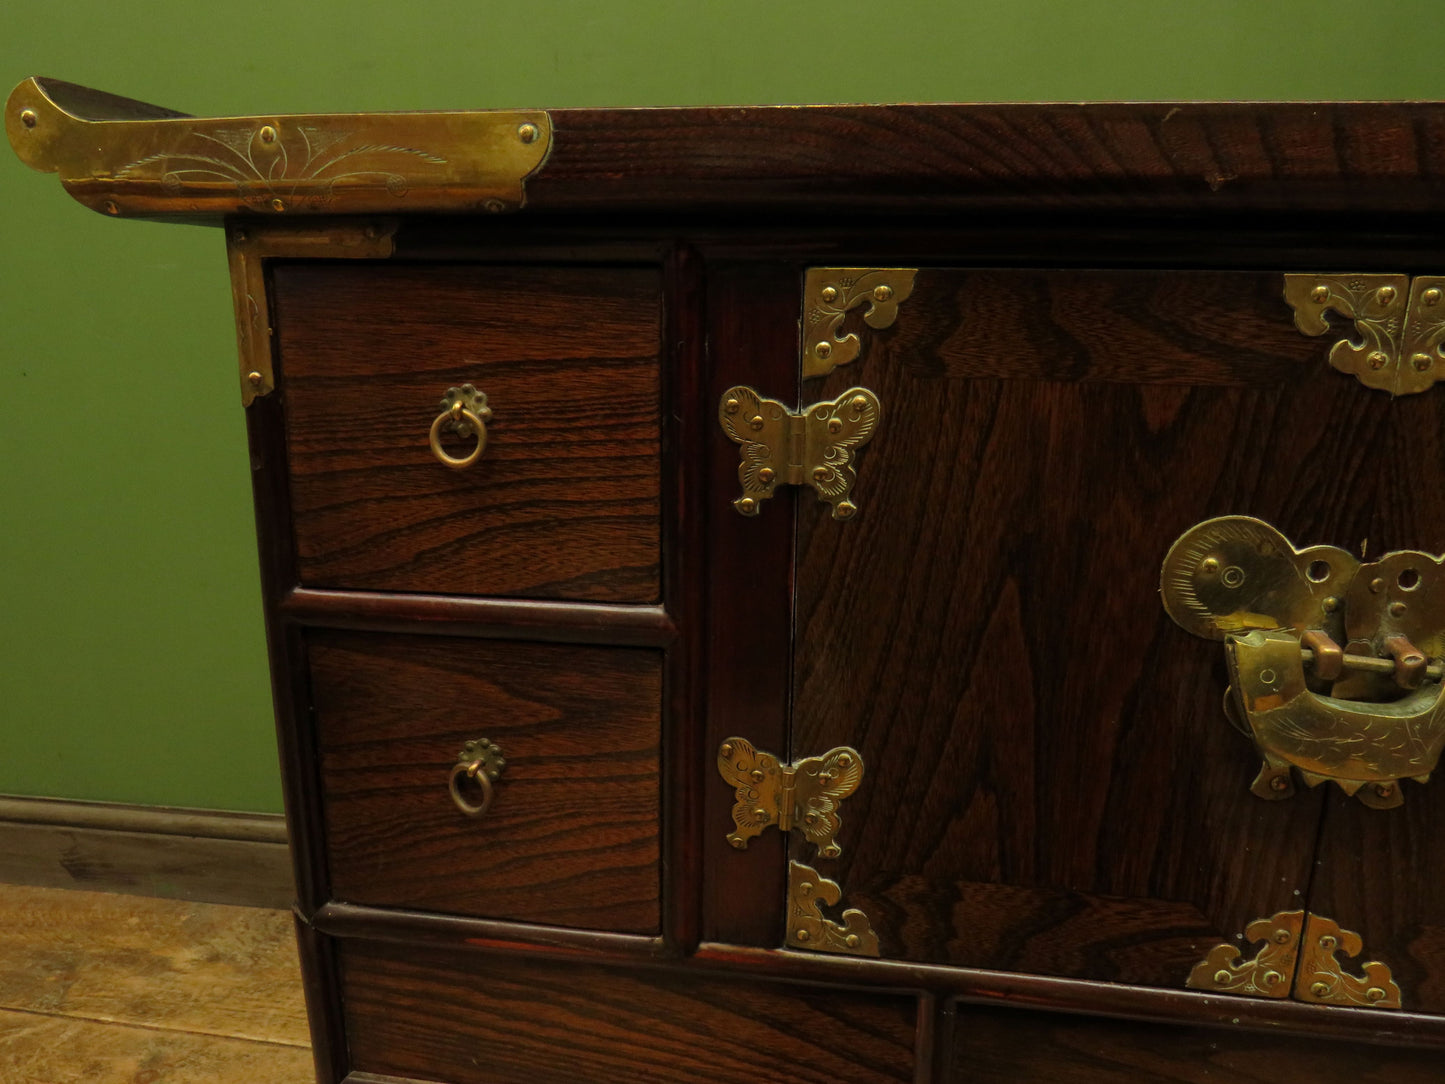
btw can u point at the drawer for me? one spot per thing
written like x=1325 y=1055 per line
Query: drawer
x=464 y=1018
x=564 y=501
x=571 y=837
x=1000 y=1046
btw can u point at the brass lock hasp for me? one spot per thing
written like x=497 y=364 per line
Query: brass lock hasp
x=814 y=447
x=1364 y=715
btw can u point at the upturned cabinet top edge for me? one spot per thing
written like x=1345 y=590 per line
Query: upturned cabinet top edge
x=128 y=159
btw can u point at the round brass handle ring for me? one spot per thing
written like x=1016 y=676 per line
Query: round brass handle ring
x=471 y=771
x=455 y=414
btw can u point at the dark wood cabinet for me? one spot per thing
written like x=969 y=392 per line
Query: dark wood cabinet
x=919 y=563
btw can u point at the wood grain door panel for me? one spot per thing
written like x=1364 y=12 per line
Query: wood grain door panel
x=1051 y=785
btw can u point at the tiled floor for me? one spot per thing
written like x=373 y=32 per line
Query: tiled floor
x=111 y=989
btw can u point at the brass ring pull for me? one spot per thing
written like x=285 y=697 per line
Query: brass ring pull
x=480 y=762
x=465 y=411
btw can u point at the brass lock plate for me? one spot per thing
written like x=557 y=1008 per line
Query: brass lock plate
x=1335 y=664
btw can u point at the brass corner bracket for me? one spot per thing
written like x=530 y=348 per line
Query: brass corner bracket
x=1400 y=322
x=813 y=447
x=808 y=893
x=1336 y=666
x=1297 y=958
x=804 y=795
x=830 y=293
x=248 y=245
x=122 y=157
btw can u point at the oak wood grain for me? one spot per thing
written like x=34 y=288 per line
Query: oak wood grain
x=467 y=1019
x=1051 y=785
x=1006 y=1046
x=565 y=501
x=572 y=837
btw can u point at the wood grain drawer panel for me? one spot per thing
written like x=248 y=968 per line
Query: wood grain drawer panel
x=1002 y=1045
x=572 y=836
x=565 y=501
x=469 y=1019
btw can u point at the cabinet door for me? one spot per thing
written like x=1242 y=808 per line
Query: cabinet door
x=1050 y=784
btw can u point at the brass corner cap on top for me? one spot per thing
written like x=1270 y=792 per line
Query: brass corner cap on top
x=126 y=158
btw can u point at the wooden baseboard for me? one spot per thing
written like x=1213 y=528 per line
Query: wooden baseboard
x=190 y=854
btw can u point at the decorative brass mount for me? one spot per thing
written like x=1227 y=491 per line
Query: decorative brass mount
x=466 y=413
x=122 y=157
x=1297 y=958
x=808 y=891
x=1363 y=716
x=247 y=246
x=830 y=293
x=814 y=447
x=479 y=765
x=804 y=795
x=1400 y=322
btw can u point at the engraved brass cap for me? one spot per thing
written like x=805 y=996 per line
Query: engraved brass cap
x=123 y=157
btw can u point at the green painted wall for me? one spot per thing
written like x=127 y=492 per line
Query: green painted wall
x=132 y=666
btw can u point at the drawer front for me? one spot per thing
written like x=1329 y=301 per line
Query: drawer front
x=1001 y=1046
x=470 y=1019
x=571 y=837
x=564 y=501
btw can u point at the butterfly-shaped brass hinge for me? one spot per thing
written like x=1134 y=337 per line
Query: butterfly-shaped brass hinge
x=1400 y=322
x=1335 y=664
x=804 y=795
x=813 y=447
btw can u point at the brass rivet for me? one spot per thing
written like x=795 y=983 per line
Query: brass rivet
x=824 y=350
x=1328 y=943
x=859 y=402
x=255 y=378
x=111 y=208
x=1385 y=790
x=1330 y=604
x=1209 y=565
x=844 y=760
x=1320 y=989
x=277 y=204
x=835 y=425
x=826 y=778
x=732 y=406
x=755 y=422
x=1374 y=993
x=727 y=749
x=268 y=134
x=1377 y=359
x=1420 y=361
x=494 y=206
x=801 y=935
x=852 y=940
x=1320 y=293
x=830 y=293
x=746 y=505
x=762 y=813
x=1280 y=783
x=1272 y=977
x=809 y=819
x=1397 y=609
x=740 y=844
x=1281 y=937
x=1376 y=586
x=1431 y=296
x=766 y=475
x=882 y=293
x=1221 y=977
x=758 y=777
x=28 y=118
x=845 y=509
x=820 y=474
x=527 y=133
x=805 y=888
x=1385 y=294
x=239 y=236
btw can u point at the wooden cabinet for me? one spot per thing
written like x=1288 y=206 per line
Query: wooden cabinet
x=920 y=623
